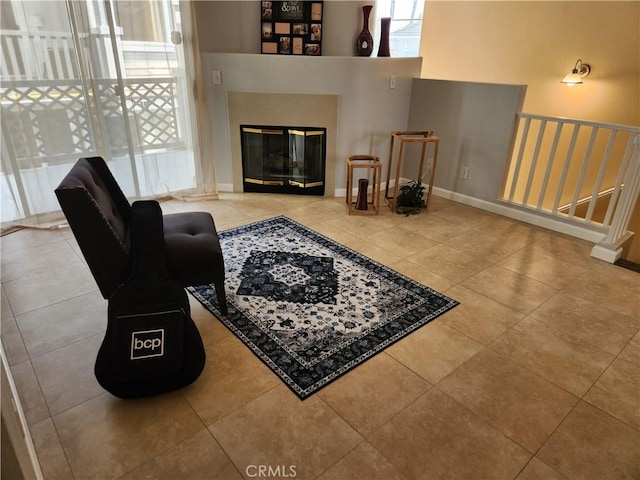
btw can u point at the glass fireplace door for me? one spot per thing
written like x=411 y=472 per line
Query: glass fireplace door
x=306 y=152
x=283 y=159
x=263 y=160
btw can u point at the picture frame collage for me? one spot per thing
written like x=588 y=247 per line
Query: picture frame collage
x=291 y=27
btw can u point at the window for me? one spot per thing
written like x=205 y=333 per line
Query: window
x=141 y=20
x=406 y=25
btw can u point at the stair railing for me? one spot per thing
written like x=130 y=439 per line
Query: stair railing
x=560 y=164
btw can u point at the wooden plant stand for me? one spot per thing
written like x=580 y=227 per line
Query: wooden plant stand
x=423 y=137
x=372 y=163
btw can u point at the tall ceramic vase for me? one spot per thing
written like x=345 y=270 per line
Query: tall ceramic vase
x=364 y=44
x=383 y=50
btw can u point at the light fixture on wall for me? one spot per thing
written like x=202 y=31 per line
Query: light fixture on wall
x=576 y=75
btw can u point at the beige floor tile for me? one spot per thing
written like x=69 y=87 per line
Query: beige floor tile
x=55 y=326
x=33 y=402
x=568 y=363
x=544 y=268
x=278 y=429
x=211 y=329
x=66 y=375
x=257 y=206
x=484 y=244
x=509 y=228
x=311 y=214
x=438 y=203
x=388 y=219
x=617 y=392
x=520 y=404
x=464 y=215
x=363 y=462
x=631 y=352
x=12 y=341
x=359 y=225
x=28 y=238
x=590 y=444
x=422 y=275
x=434 y=351
x=436 y=437
x=567 y=249
x=587 y=321
x=198 y=457
x=76 y=249
x=338 y=235
x=478 y=316
x=38 y=259
x=51 y=457
x=538 y=470
x=400 y=242
x=510 y=288
x=434 y=227
x=39 y=290
x=5 y=308
x=106 y=437
x=611 y=286
x=232 y=377
x=450 y=263
x=378 y=254
x=237 y=221
x=382 y=384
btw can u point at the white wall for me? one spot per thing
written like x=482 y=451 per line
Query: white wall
x=368 y=109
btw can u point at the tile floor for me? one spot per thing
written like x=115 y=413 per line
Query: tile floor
x=533 y=376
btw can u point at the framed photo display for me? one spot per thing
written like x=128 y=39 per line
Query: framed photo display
x=291 y=28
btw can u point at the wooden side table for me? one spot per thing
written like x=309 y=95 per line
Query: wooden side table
x=423 y=137
x=372 y=163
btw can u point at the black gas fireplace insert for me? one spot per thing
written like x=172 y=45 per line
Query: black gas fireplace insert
x=278 y=159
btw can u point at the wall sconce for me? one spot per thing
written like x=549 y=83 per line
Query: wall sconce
x=576 y=75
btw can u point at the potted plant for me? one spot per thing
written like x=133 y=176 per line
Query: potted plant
x=410 y=198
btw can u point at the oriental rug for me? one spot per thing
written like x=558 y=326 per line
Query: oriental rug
x=310 y=308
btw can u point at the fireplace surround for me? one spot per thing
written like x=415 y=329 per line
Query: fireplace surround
x=283 y=159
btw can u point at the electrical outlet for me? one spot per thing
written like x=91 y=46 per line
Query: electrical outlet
x=217 y=77
x=392 y=81
x=465 y=173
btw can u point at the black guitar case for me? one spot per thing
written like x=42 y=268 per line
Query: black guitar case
x=151 y=344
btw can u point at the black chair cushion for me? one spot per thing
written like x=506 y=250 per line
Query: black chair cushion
x=193 y=249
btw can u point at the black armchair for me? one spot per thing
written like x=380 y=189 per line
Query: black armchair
x=100 y=216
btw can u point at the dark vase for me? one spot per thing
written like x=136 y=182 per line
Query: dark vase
x=364 y=44
x=361 y=201
x=383 y=50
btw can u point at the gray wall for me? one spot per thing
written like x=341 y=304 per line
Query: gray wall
x=474 y=122
x=234 y=26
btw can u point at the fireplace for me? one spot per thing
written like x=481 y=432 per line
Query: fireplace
x=278 y=159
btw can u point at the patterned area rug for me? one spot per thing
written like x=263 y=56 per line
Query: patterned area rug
x=310 y=308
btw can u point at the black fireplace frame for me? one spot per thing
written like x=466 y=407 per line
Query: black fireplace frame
x=285 y=182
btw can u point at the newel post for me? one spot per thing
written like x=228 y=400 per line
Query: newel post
x=610 y=248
